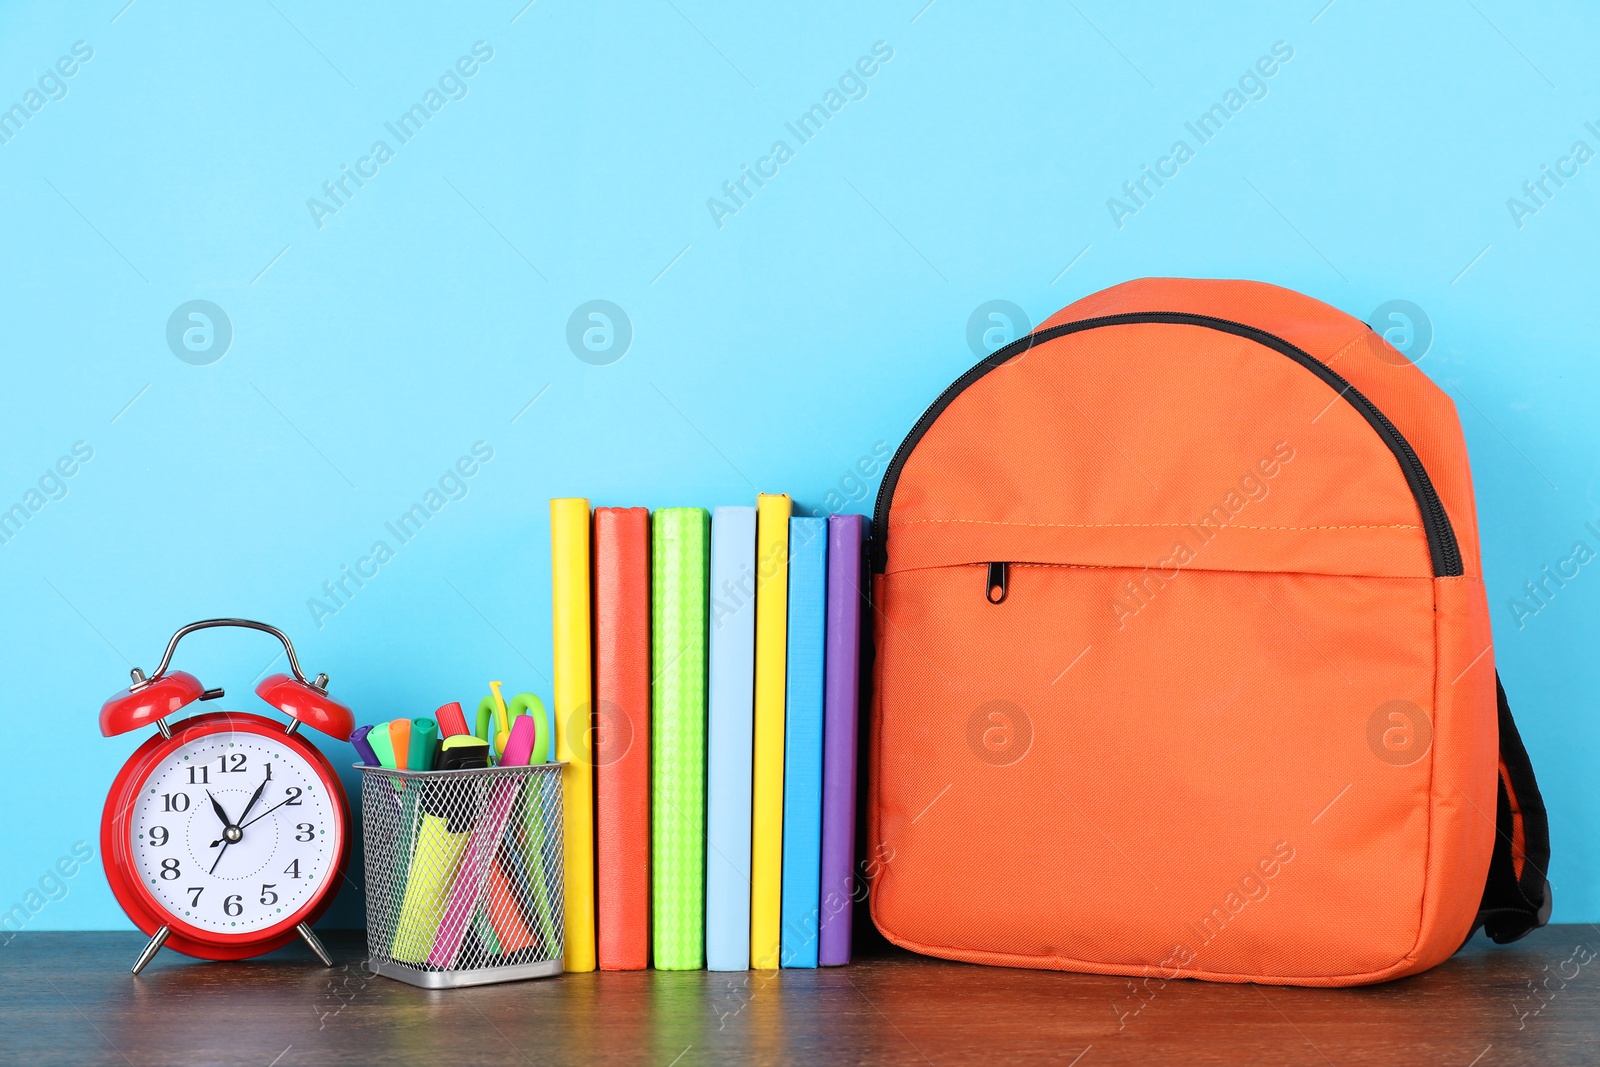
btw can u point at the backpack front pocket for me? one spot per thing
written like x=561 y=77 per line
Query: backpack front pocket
x=1184 y=781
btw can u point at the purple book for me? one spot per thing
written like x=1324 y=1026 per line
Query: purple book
x=840 y=705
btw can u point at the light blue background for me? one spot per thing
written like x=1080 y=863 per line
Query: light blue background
x=424 y=316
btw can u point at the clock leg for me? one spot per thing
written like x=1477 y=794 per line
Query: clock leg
x=312 y=943
x=151 y=949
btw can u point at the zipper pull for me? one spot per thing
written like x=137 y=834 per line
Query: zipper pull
x=996 y=588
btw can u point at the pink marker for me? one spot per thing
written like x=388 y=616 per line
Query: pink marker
x=519 y=746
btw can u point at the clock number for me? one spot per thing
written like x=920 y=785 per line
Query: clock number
x=293 y=870
x=268 y=897
x=269 y=772
x=158 y=835
x=294 y=796
x=231 y=905
x=199 y=775
x=169 y=870
x=304 y=831
x=231 y=763
x=196 y=890
x=174 y=801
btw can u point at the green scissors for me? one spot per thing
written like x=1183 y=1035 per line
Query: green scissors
x=495 y=719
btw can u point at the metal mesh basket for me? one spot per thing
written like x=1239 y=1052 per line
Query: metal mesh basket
x=464 y=874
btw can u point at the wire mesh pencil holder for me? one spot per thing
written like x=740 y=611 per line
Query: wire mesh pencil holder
x=464 y=874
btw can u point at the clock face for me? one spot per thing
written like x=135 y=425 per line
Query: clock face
x=233 y=832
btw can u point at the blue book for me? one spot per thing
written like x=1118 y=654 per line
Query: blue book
x=802 y=743
x=730 y=737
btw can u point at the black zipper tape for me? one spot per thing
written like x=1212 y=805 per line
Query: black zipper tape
x=1443 y=548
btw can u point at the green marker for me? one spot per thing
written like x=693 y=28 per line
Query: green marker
x=424 y=746
x=382 y=744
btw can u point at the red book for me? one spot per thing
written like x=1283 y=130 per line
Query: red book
x=621 y=567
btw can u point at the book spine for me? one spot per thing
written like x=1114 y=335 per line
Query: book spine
x=730 y=739
x=766 y=842
x=802 y=751
x=569 y=565
x=622 y=736
x=841 y=716
x=678 y=735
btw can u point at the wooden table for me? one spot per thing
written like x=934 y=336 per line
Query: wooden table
x=68 y=998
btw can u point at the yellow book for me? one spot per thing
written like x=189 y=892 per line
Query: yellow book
x=569 y=632
x=772 y=624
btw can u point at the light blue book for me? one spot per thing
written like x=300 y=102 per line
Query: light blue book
x=802 y=743
x=730 y=737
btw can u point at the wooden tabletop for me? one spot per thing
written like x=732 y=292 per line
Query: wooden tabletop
x=67 y=998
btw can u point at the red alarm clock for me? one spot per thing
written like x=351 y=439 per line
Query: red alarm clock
x=226 y=834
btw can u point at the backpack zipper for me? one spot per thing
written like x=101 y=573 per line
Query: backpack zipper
x=995 y=587
x=1443 y=548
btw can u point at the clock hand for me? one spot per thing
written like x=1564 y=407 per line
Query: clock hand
x=254 y=797
x=222 y=852
x=269 y=811
x=218 y=809
x=241 y=824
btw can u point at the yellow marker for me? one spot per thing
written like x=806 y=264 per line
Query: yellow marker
x=428 y=881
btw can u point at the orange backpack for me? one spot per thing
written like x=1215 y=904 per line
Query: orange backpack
x=1182 y=657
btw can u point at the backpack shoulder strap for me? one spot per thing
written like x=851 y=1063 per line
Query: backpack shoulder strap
x=1516 y=897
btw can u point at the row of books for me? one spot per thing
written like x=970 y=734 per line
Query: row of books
x=716 y=657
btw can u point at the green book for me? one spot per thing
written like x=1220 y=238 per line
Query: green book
x=680 y=564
